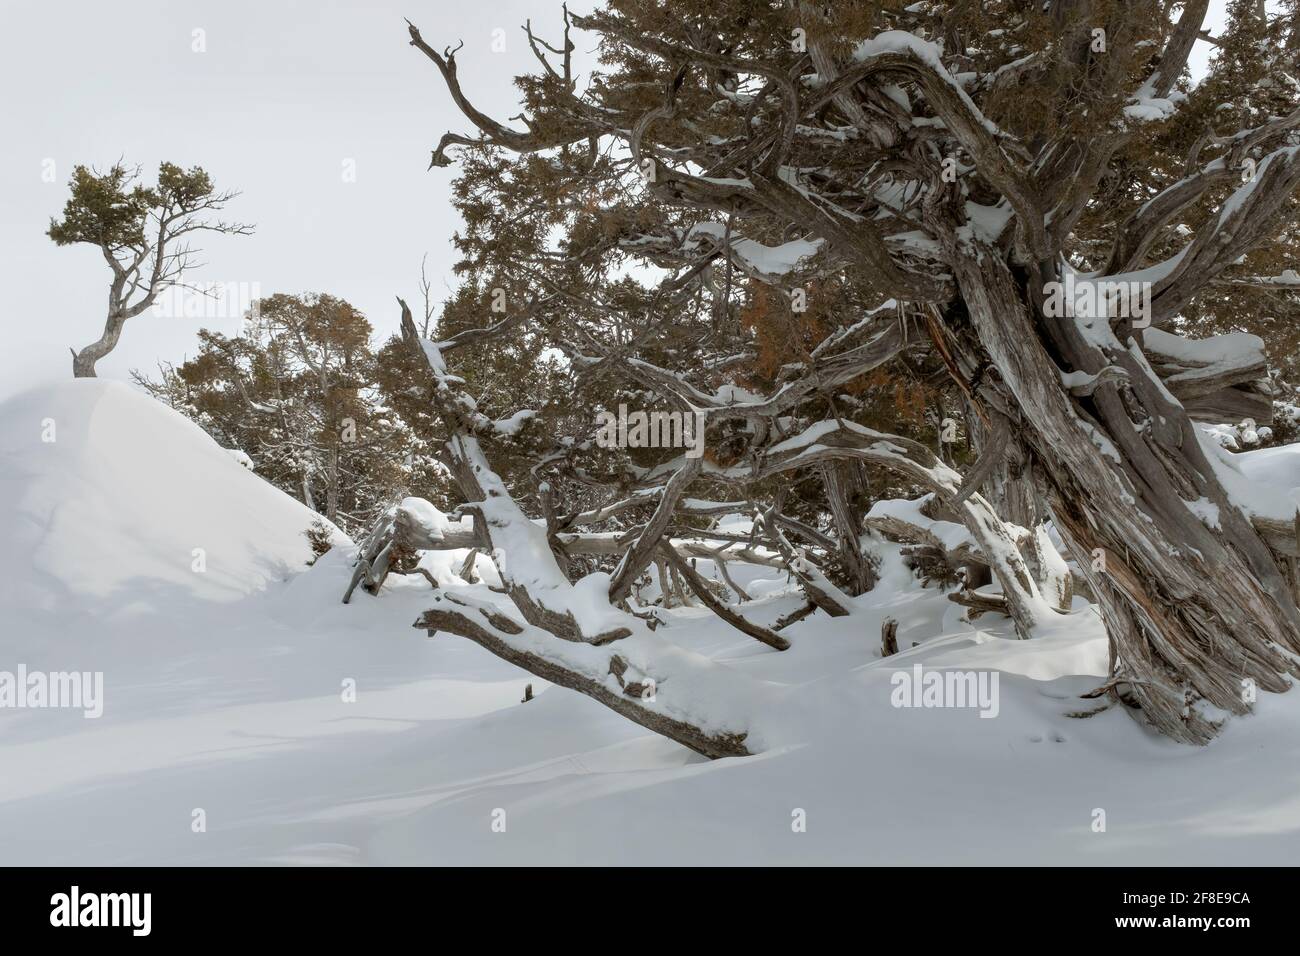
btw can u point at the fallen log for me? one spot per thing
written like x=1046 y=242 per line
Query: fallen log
x=701 y=589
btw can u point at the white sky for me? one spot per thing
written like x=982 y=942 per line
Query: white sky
x=285 y=92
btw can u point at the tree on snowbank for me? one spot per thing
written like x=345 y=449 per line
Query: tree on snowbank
x=142 y=232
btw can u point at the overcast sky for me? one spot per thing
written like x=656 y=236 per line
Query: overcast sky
x=284 y=98
x=283 y=95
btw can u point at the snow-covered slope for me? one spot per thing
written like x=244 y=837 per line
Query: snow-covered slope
x=108 y=498
x=229 y=698
x=1278 y=468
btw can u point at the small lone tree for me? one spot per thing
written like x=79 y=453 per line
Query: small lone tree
x=141 y=231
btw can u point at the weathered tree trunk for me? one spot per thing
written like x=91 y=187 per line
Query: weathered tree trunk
x=1010 y=488
x=83 y=362
x=843 y=479
x=888 y=637
x=332 y=491
x=615 y=658
x=635 y=698
x=1194 y=604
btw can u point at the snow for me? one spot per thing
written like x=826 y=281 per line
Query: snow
x=510 y=426
x=241 y=456
x=1272 y=480
x=986 y=223
x=900 y=41
x=948 y=533
x=1263 y=483
x=1244 y=192
x=1077 y=379
x=773 y=261
x=1146 y=107
x=435 y=523
x=1233 y=437
x=226 y=691
x=1150 y=110
x=126 y=501
x=1206 y=510
x=1235 y=349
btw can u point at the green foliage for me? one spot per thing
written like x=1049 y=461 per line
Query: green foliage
x=105 y=209
x=111 y=209
x=320 y=538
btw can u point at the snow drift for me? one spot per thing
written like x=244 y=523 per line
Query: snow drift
x=107 y=496
x=306 y=731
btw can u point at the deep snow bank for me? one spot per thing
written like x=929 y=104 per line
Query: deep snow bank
x=1278 y=470
x=108 y=498
x=312 y=732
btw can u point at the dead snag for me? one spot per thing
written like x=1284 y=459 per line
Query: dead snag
x=888 y=637
x=701 y=589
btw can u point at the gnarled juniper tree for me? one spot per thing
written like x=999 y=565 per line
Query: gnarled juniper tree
x=1031 y=198
x=144 y=234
